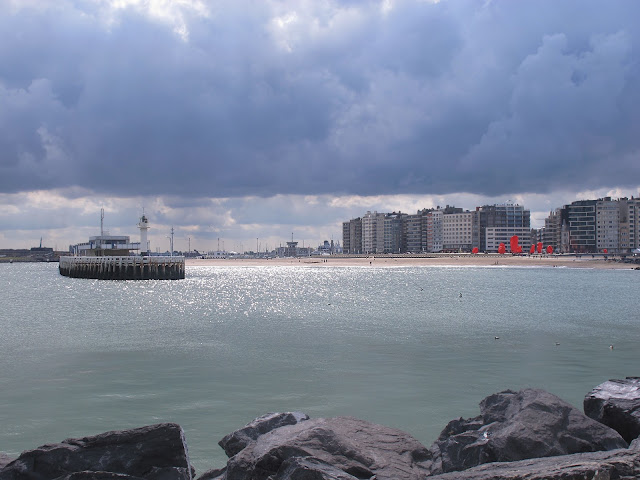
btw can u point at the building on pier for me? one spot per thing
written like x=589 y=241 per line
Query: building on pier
x=112 y=257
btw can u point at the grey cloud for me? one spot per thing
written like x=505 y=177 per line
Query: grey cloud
x=425 y=98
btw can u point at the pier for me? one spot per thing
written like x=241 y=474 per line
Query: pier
x=123 y=267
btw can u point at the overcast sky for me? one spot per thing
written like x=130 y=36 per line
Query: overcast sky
x=241 y=120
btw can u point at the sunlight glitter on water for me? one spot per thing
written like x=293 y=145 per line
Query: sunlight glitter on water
x=396 y=346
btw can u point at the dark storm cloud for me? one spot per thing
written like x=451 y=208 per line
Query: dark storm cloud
x=325 y=98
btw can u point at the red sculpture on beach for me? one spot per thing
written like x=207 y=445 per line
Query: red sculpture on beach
x=475 y=250
x=502 y=249
x=539 y=247
x=515 y=246
x=533 y=249
x=549 y=249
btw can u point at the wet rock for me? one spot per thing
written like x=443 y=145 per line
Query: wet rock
x=623 y=464
x=236 y=441
x=156 y=452
x=616 y=403
x=355 y=447
x=514 y=426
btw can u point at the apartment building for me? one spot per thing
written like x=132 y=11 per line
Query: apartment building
x=412 y=232
x=551 y=233
x=352 y=236
x=497 y=235
x=581 y=219
x=629 y=224
x=373 y=232
x=457 y=231
x=495 y=223
x=607 y=225
x=392 y=233
x=433 y=231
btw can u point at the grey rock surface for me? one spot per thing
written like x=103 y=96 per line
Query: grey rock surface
x=616 y=403
x=514 y=426
x=236 y=441
x=89 y=475
x=309 y=468
x=214 y=474
x=5 y=459
x=155 y=452
x=621 y=464
x=356 y=447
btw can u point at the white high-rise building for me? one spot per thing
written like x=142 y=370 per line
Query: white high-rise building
x=434 y=231
x=373 y=232
x=457 y=232
x=607 y=225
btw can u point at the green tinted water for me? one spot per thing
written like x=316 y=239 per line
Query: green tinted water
x=396 y=346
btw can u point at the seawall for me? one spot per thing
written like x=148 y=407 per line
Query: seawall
x=123 y=268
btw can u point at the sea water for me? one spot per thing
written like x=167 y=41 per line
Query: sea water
x=406 y=347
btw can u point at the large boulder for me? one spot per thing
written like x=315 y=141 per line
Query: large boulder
x=156 y=452
x=621 y=464
x=514 y=426
x=236 y=441
x=355 y=447
x=616 y=403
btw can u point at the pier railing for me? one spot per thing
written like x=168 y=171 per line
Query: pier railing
x=123 y=268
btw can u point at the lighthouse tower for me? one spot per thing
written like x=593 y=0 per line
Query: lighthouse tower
x=143 y=225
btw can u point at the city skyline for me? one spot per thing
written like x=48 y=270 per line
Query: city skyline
x=238 y=121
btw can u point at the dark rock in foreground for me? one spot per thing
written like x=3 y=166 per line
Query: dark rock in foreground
x=156 y=452
x=615 y=464
x=5 y=460
x=616 y=403
x=309 y=468
x=526 y=435
x=236 y=441
x=355 y=447
x=519 y=425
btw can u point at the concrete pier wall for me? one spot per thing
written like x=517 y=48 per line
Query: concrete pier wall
x=123 y=268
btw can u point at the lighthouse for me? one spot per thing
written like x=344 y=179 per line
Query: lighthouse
x=143 y=225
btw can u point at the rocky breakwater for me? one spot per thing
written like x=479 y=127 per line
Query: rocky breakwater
x=616 y=403
x=529 y=434
x=153 y=452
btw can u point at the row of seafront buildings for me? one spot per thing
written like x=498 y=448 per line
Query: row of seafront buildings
x=447 y=229
x=604 y=225
x=585 y=226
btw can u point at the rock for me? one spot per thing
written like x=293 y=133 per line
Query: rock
x=214 y=474
x=356 y=447
x=514 y=426
x=89 y=475
x=156 y=452
x=236 y=441
x=309 y=468
x=614 y=464
x=5 y=460
x=616 y=403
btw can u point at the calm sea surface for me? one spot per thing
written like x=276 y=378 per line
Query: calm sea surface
x=395 y=346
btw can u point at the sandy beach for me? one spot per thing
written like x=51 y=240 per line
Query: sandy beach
x=488 y=260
